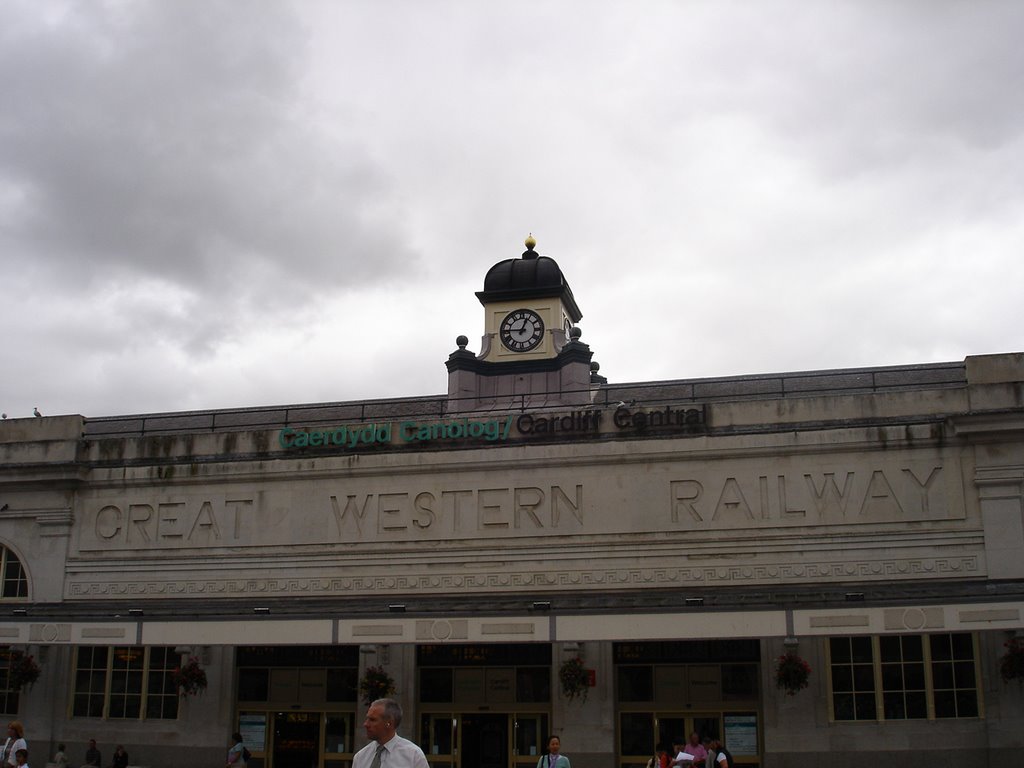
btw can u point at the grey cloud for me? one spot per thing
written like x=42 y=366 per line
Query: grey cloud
x=172 y=139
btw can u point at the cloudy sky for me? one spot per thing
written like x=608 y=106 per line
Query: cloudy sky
x=216 y=204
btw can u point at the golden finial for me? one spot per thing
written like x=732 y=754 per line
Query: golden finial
x=530 y=242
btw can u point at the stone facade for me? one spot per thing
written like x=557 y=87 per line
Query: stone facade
x=868 y=502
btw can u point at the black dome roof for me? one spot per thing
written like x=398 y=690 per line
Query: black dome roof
x=529 y=277
x=513 y=274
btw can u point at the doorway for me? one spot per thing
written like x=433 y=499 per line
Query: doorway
x=485 y=742
x=296 y=740
x=674 y=727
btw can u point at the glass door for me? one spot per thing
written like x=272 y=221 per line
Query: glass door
x=296 y=740
x=438 y=738
x=531 y=735
x=484 y=741
x=339 y=739
x=673 y=728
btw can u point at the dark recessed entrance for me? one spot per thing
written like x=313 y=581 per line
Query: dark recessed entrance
x=296 y=740
x=485 y=742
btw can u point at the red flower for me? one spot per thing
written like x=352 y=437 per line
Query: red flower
x=791 y=673
x=190 y=679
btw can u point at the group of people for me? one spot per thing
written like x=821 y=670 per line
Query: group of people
x=706 y=753
x=15 y=752
x=386 y=748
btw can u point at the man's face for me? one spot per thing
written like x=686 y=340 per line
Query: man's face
x=694 y=740
x=377 y=727
x=92 y=744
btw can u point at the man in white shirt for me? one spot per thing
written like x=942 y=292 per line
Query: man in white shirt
x=386 y=748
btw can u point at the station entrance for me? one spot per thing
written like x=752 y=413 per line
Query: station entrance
x=483 y=739
x=490 y=705
x=484 y=706
x=667 y=690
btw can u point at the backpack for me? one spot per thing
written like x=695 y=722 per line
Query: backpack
x=246 y=754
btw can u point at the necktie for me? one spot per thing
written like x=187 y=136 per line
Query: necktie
x=376 y=757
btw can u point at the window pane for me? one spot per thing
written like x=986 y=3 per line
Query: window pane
x=863 y=678
x=963 y=674
x=889 y=647
x=913 y=676
x=963 y=646
x=253 y=684
x=945 y=704
x=842 y=705
x=842 y=678
x=967 y=704
x=865 y=703
x=739 y=681
x=940 y=648
x=913 y=648
x=917 y=706
x=636 y=684
x=892 y=677
x=861 y=647
x=839 y=648
x=533 y=685
x=436 y=685
x=343 y=684
x=893 y=703
x=942 y=675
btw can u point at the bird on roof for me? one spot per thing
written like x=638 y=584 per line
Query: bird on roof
x=35 y=412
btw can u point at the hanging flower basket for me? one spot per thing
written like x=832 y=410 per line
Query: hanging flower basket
x=22 y=671
x=1011 y=665
x=574 y=679
x=791 y=673
x=190 y=679
x=376 y=684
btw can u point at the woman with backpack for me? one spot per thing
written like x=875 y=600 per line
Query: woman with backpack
x=554 y=758
x=238 y=755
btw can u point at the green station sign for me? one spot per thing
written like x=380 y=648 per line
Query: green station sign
x=592 y=421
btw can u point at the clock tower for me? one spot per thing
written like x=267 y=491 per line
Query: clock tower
x=530 y=352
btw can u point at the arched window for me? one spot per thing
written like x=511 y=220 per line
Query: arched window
x=15 y=580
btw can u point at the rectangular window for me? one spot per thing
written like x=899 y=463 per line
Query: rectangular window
x=903 y=677
x=953 y=675
x=853 y=678
x=342 y=685
x=636 y=683
x=903 y=688
x=161 y=693
x=125 y=683
x=8 y=698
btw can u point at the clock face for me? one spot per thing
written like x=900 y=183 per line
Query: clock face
x=521 y=330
